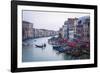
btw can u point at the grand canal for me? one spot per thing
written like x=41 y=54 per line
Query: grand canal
x=32 y=53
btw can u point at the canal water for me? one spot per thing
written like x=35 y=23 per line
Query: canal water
x=32 y=53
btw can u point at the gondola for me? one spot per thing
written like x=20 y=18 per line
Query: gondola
x=41 y=46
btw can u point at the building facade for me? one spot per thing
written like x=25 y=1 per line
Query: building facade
x=27 y=30
x=70 y=28
x=76 y=28
x=83 y=28
x=43 y=33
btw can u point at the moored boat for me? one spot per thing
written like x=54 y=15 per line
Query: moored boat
x=56 y=46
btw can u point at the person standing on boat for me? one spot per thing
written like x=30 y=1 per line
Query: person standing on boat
x=44 y=45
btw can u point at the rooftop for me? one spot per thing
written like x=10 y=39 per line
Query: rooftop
x=26 y=22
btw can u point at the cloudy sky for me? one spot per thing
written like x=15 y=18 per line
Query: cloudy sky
x=49 y=20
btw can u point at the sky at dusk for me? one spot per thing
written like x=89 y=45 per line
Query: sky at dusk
x=49 y=20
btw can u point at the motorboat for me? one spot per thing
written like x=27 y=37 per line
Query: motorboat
x=56 y=46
